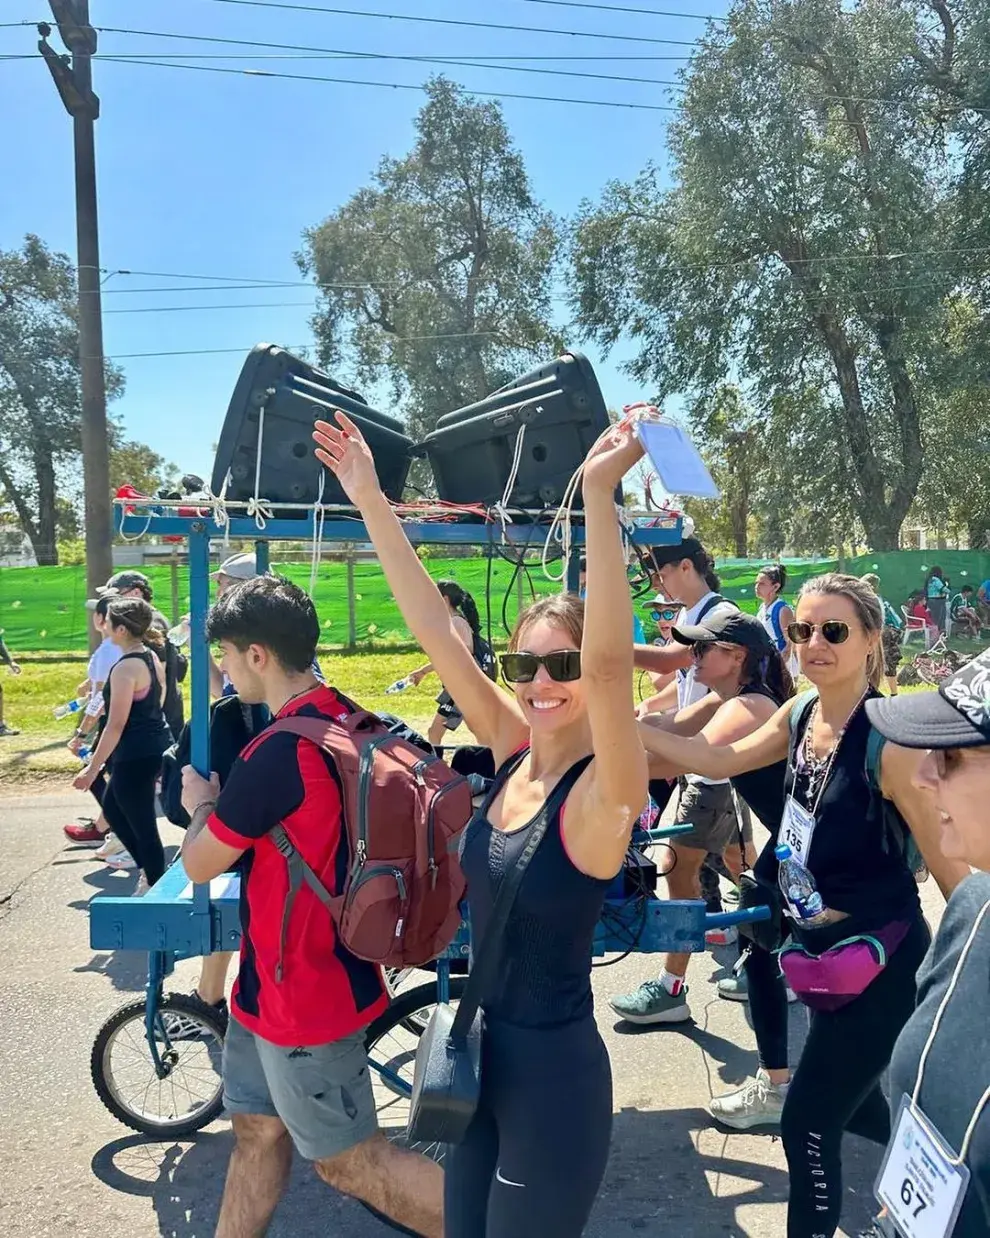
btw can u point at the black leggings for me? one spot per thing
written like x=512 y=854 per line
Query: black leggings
x=836 y=1087
x=767 y=1005
x=129 y=807
x=535 y=1154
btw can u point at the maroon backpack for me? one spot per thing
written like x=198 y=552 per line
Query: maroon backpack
x=402 y=811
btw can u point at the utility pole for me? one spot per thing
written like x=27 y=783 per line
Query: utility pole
x=74 y=82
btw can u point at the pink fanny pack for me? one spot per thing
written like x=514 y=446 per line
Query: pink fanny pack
x=837 y=976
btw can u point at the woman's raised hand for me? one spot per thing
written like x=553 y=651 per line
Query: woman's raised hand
x=612 y=457
x=342 y=449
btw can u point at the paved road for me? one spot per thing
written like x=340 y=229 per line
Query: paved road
x=68 y=1168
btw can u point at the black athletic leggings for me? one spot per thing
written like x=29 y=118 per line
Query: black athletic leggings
x=767 y=1005
x=129 y=807
x=836 y=1087
x=535 y=1154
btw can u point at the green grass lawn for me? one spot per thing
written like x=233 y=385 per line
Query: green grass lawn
x=39 y=754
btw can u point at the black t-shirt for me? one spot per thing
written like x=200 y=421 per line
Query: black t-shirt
x=957 y=1071
x=855 y=858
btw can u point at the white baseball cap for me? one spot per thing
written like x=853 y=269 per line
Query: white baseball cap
x=238 y=567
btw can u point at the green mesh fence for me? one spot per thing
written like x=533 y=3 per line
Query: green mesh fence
x=43 y=608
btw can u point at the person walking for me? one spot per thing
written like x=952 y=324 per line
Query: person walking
x=738 y=664
x=774 y=613
x=295 y=1068
x=934 y=1067
x=466 y=622
x=135 y=734
x=847 y=819
x=569 y=759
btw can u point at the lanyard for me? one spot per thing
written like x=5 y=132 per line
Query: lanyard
x=835 y=748
x=985 y=1098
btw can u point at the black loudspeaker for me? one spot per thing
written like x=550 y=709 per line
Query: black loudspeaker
x=562 y=408
x=293 y=394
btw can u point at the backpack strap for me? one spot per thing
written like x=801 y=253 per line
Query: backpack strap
x=318 y=732
x=796 y=721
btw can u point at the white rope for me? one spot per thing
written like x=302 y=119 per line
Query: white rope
x=319 y=518
x=218 y=505
x=137 y=536
x=258 y=507
x=501 y=508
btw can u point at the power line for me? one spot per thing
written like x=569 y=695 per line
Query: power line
x=208 y=309
x=620 y=8
x=341 y=53
x=451 y=21
x=208 y=352
x=344 y=81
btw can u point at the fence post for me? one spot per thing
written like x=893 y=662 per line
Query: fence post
x=351 y=608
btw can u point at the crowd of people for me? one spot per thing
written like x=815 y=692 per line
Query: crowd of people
x=867 y=795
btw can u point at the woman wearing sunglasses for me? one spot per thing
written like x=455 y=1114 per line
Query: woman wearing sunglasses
x=535 y=1152
x=940 y=1059
x=849 y=808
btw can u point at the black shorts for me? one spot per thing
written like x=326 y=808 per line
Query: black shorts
x=448 y=711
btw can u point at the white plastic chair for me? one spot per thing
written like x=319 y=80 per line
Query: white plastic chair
x=915 y=626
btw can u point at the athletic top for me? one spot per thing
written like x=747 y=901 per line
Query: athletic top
x=689 y=691
x=763 y=789
x=544 y=969
x=326 y=993
x=854 y=856
x=957 y=1071
x=145 y=732
x=936 y=588
x=769 y=616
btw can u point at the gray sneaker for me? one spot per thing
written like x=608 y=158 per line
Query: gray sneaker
x=757 y=1103
x=651 y=1003
x=736 y=989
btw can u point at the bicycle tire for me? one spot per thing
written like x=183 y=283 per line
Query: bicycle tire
x=173 y=1003
x=407 y=1004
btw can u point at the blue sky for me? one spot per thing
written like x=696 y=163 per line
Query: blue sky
x=217 y=175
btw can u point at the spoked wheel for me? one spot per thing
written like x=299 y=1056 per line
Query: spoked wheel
x=189 y=1039
x=400 y=981
x=392 y=1056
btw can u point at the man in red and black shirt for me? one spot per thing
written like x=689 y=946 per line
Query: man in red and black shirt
x=295 y=1069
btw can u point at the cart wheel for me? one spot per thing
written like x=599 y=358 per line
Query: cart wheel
x=398 y=982
x=189 y=1036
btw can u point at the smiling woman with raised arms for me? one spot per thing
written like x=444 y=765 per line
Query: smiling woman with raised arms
x=567 y=751
x=850 y=808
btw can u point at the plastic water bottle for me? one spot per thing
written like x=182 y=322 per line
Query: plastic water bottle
x=72 y=707
x=179 y=635
x=799 y=889
x=400 y=685
x=84 y=753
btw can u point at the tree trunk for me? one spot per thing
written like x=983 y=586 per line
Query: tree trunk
x=45 y=543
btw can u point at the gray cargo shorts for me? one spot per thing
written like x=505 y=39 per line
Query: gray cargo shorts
x=709 y=808
x=321 y=1093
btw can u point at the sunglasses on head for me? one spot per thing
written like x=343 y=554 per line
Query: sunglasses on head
x=563 y=665
x=835 y=631
x=666 y=614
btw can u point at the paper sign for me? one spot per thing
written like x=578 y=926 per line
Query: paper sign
x=676 y=460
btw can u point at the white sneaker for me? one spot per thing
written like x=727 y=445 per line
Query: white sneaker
x=757 y=1103
x=111 y=845
x=722 y=936
x=142 y=887
x=122 y=859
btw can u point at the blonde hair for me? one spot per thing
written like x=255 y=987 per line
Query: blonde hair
x=563 y=610
x=866 y=604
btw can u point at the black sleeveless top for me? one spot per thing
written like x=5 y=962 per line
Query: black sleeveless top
x=763 y=789
x=146 y=733
x=544 y=971
x=856 y=862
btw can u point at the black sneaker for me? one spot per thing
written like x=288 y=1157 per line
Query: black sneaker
x=180 y=1027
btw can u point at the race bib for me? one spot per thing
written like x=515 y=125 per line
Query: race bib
x=921 y=1188
x=796 y=829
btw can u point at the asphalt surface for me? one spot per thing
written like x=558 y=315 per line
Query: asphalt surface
x=69 y=1168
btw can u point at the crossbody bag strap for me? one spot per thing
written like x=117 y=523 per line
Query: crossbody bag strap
x=487 y=956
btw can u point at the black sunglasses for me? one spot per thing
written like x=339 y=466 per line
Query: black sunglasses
x=667 y=615
x=835 y=631
x=563 y=665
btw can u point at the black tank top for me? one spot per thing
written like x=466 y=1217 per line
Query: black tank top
x=763 y=789
x=146 y=733
x=856 y=863
x=544 y=972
